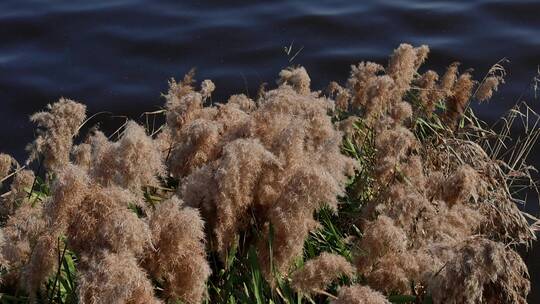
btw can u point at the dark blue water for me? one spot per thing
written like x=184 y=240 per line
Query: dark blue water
x=117 y=55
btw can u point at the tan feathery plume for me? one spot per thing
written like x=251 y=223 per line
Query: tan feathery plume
x=486 y=88
x=357 y=294
x=59 y=125
x=319 y=272
x=179 y=257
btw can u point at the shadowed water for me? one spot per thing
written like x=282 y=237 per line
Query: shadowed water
x=117 y=55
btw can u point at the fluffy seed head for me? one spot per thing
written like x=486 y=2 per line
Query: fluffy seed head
x=57 y=126
x=481 y=271
x=362 y=80
x=132 y=162
x=486 y=89
x=82 y=155
x=20 y=188
x=342 y=96
x=22 y=229
x=458 y=100
x=179 y=257
x=238 y=173
x=113 y=278
x=403 y=65
x=245 y=103
x=429 y=94
x=461 y=186
x=43 y=262
x=207 y=87
x=357 y=294
x=380 y=237
x=317 y=273
x=69 y=190
x=298 y=78
x=449 y=79
x=5 y=164
x=104 y=222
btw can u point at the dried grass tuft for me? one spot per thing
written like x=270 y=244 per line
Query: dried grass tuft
x=319 y=272
x=391 y=170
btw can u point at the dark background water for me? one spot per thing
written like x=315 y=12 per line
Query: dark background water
x=117 y=55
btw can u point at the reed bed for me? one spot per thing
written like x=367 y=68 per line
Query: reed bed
x=386 y=188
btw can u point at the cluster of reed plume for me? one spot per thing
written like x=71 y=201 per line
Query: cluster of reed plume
x=143 y=213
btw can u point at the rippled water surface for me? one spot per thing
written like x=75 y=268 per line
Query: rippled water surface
x=117 y=55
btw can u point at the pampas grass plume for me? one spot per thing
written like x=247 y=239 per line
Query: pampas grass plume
x=317 y=273
x=357 y=294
